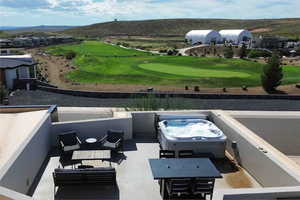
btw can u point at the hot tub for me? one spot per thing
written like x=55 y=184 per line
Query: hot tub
x=197 y=134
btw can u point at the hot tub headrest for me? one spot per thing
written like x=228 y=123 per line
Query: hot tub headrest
x=181 y=116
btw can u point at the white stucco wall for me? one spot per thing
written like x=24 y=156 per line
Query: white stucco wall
x=7 y=194
x=285 y=193
x=270 y=168
x=92 y=128
x=282 y=133
x=22 y=168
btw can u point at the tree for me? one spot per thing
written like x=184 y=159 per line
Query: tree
x=298 y=51
x=272 y=73
x=243 y=51
x=3 y=93
x=70 y=55
x=228 y=52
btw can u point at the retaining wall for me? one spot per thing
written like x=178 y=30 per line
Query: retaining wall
x=164 y=94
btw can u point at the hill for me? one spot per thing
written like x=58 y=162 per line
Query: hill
x=33 y=29
x=7 y=28
x=178 y=27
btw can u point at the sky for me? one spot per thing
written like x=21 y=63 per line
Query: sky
x=84 y=12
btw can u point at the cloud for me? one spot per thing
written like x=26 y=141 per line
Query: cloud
x=92 y=11
x=24 y=3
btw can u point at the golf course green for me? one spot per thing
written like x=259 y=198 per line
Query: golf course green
x=98 y=62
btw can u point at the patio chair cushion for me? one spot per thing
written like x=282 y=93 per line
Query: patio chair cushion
x=71 y=148
x=110 y=145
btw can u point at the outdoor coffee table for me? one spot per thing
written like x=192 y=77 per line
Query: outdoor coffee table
x=91 y=155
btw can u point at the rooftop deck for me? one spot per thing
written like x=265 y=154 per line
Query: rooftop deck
x=134 y=177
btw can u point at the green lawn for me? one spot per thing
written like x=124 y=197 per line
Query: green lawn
x=102 y=63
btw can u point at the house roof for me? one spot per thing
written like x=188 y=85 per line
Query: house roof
x=10 y=63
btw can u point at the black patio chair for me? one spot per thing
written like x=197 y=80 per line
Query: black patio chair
x=203 y=188
x=179 y=188
x=166 y=154
x=186 y=154
x=113 y=140
x=68 y=142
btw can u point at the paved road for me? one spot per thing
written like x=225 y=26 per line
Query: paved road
x=46 y=98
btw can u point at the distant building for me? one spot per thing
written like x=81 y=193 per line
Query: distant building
x=33 y=41
x=14 y=68
x=237 y=36
x=4 y=52
x=270 y=42
x=203 y=37
x=4 y=43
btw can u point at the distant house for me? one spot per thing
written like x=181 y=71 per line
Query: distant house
x=203 y=37
x=23 y=42
x=15 y=69
x=270 y=42
x=236 y=36
x=4 y=43
x=5 y=51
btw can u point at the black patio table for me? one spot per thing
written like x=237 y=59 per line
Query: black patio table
x=182 y=168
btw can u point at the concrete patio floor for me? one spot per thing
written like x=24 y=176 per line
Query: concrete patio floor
x=134 y=178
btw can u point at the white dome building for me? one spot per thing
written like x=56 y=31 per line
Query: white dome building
x=203 y=37
x=236 y=36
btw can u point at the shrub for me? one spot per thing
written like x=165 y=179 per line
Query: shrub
x=228 y=52
x=196 y=89
x=272 y=74
x=70 y=55
x=243 y=51
x=125 y=44
x=150 y=102
x=170 y=52
x=298 y=51
x=3 y=93
x=163 y=51
x=255 y=53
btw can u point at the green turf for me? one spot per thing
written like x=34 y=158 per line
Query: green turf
x=191 y=71
x=102 y=63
